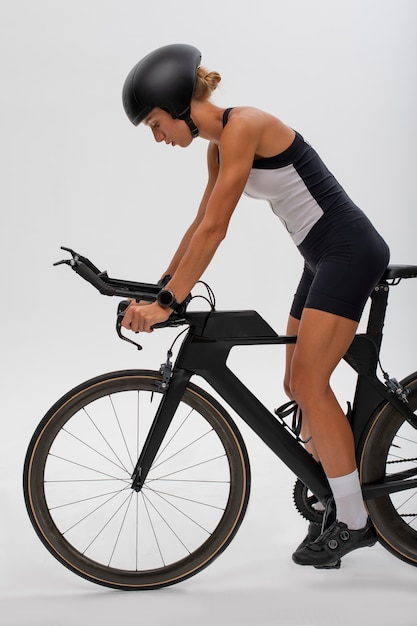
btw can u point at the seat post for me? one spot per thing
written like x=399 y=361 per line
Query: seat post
x=379 y=302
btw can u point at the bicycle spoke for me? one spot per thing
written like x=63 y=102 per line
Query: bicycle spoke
x=137 y=424
x=182 y=512
x=64 y=532
x=107 y=523
x=164 y=520
x=189 y=501
x=168 y=508
x=119 y=466
x=121 y=430
x=120 y=529
x=104 y=439
x=91 y=469
x=198 y=439
x=185 y=469
x=400 y=455
x=172 y=438
x=153 y=529
x=172 y=495
x=74 y=502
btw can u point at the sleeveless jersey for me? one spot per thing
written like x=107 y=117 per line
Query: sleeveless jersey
x=297 y=185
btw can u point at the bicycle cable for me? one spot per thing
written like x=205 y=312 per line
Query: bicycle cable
x=166 y=367
x=210 y=298
x=393 y=385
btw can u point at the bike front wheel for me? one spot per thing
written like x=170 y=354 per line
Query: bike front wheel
x=388 y=455
x=77 y=483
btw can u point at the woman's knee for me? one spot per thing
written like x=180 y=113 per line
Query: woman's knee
x=295 y=389
x=304 y=385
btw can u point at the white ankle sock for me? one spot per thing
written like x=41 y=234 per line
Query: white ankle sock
x=347 y=494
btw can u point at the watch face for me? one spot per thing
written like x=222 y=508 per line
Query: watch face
x=166 y=298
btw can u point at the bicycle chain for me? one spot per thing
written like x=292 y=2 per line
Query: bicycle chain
x=304 y=507
x=404 y=461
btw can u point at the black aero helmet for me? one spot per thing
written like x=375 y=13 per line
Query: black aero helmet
x=164 y=78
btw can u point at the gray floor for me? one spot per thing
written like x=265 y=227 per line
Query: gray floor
x=264 y=591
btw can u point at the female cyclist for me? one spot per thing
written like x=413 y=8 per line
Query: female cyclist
x=253 y=152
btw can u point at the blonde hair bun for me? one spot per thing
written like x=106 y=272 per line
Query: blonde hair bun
x=206 y=83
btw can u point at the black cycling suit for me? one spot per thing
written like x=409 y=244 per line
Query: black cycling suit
x=344 y=255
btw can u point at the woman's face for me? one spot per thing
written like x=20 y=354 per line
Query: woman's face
x=165 y=128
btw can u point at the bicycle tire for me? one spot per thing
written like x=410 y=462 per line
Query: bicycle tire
x=391 y=446
x=77 y=483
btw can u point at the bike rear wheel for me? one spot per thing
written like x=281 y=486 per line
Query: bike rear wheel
x=77 y=483
x=390 y=453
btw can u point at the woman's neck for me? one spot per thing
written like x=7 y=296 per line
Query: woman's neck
x=208 y=119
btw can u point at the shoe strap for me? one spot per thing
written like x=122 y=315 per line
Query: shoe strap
x=328 y=511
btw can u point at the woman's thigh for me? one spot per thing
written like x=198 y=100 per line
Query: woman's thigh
x=322 y=340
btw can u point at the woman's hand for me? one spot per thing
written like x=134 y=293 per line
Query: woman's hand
x=141 y=317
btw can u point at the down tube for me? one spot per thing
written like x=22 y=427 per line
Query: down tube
x=270 y=430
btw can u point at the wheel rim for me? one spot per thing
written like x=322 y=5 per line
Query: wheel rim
x=81 y=492
x=389 y=453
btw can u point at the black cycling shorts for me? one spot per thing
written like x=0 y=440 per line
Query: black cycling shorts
x=345 y=257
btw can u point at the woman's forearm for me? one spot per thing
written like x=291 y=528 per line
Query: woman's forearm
x=194 y=261
x=183 y=246
x=186 y=240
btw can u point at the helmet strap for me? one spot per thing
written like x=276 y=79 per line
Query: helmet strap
x=193 y=128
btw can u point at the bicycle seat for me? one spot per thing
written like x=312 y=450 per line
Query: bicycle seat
x=400 y=271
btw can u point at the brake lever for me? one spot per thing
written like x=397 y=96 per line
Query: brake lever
x=121 y=309
x=174 y=320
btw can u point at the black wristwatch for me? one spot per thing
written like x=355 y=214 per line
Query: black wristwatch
x=166 y=300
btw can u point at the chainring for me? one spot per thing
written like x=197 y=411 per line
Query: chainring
x=304 y=500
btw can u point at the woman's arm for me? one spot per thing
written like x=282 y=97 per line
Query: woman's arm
x=237 y=149
x=213 y=169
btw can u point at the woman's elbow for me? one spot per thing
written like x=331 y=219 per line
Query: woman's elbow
x=214 y=234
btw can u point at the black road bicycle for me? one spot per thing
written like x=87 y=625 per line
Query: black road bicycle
x=139 y=479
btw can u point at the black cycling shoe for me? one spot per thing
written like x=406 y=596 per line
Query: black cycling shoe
x=333 y=543
x=315 y=530
x=313 y=533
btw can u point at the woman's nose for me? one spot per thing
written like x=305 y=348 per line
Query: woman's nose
x=158 y=135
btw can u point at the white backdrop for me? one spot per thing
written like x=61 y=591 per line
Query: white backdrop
x=75 y=172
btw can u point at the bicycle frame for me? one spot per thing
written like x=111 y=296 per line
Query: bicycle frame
x=204 y=352
x=206 y=355
x=134 y=515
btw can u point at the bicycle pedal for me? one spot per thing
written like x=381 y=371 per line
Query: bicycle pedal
x=335 y=565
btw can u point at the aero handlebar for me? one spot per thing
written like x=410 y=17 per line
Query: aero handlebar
x=123 y=288
x=106 y=285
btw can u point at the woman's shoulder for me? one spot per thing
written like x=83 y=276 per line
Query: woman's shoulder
x=247 y=113
x=265 y=132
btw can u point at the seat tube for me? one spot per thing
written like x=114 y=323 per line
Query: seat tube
x=160 y=425
x=379 y=301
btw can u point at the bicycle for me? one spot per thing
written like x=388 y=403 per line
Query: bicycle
x=139 y=479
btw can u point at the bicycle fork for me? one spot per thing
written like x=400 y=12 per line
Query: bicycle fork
x=164 y=415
